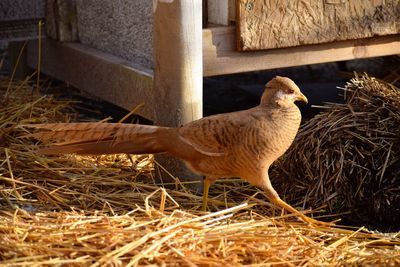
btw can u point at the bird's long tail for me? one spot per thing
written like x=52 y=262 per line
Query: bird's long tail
x=101 y=138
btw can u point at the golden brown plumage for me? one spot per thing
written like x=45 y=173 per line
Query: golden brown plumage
x=239 y=144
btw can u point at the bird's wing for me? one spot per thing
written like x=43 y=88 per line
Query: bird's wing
x=214 y=135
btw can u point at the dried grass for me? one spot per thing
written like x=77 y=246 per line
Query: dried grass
x=108 y=210
x=348 y=157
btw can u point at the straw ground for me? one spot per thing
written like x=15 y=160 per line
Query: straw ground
x=110 y=211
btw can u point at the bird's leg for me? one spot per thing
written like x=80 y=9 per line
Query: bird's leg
x=278 y=201
x=207 y=182
x=274 y=197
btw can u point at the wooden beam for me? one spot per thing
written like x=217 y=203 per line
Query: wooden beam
x=62 y=20
x=218 y=12
x=221 y=12
x=178 y=69
x=100 y=74
x=178 y=75
x=278 y=24
x=221 y=57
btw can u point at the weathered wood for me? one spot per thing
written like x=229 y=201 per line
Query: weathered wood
x=61 y=20
x=221 y=57
x=232 y=11
x=205 y=13
x=100 y=74
x=178 y=73
x=221 y=12
x=276 y=24
x=218 y=12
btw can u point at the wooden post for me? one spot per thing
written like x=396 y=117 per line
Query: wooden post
x=62 y=20
x=178 y=66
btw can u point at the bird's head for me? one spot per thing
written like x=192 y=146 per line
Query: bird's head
x=282 y=91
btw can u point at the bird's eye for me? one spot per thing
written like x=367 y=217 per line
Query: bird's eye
x=291 y=91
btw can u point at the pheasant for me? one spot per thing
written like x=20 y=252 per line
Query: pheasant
x=238 y=144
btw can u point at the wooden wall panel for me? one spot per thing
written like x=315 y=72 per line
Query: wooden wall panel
x=221 y=12
x=270 y=24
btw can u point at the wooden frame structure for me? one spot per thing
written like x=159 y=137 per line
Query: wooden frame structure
x=184 y=53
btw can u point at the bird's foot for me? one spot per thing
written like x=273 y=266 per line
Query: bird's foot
x=302 y=216
x=315 y=222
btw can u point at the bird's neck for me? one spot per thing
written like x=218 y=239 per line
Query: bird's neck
x=278 y=104
x=267 y=98
x=285 y=121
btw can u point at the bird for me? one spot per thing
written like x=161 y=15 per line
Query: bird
x=238 y=144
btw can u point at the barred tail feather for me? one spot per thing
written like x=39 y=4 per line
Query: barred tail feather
x=101 y=138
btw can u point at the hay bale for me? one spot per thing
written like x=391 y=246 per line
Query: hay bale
x=348 y=157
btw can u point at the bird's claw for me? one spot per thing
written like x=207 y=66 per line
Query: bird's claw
x=315 y=222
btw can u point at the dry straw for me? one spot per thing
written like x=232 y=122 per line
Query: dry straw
x=108 y=211
x=348 y=157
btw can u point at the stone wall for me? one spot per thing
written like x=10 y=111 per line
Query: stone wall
x=21 y=9
x=19 y=18
x=120 y=27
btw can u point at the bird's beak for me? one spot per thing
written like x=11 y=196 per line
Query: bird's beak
x=301 y=97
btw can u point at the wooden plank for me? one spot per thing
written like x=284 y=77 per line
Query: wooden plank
x=221 y=57
x=62 y=20
x=232 y=11
x=178 y=72
x=100 y=74
x=218 y=12
x=178 y=75
x=277 y=24
x=221 y=12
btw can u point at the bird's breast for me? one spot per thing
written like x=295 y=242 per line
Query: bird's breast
x=284 y=129
x=273 y=134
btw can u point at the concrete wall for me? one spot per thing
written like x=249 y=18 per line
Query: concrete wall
x=120 y=27
x=19 y=18
x=21 y=9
